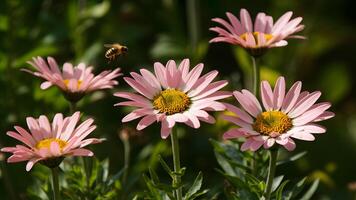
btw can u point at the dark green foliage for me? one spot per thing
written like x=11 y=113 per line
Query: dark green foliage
x=158 y=30
x=163 y=191
x=101 y=186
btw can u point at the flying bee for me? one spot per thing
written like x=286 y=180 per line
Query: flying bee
x=114 y=51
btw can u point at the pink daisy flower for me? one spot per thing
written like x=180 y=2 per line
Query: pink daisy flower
x=173 y=94
x=49 y=143
x=75 y=81
x=285 y=116
x=258 y=36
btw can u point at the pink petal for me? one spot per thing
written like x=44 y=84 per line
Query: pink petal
x=151 y=79
x=165 y=131
x=246 y=20
x=267 y=95
x=45 y=85
x=209 y=119
x=55 y=149
x=210 y=89
x=239 y=29
x=173 y=76
x=260 y=23
x=202 y=83
x=278 y=93
x=248 y=102
x=304 y=104
x=269 y=24
x=282 y=140
x=240 y=113
x=31 y=162
x=250 y=40
x=81 y=152
x=138 y=87
x=45 y=126
x=311 y=114
x=234 y=133
x=269 y=143
x=19 y=138
x=137 y=114
x=237 y=121
x=246 y=145
x=179 y=117
x=68 y=131
x=34 y=128
x=314 y=128
x=193 y=119
x=160 y=72
x=26 y=135
x=184 y=68
x=290 y=146
x=302 y=135
x=134 y=103
x=193 y=77
x=132 y=96
x=291 y=97
x=326 y=115
x=146 y=121
x=255 y=145
x=145 y=84
x=281 y=22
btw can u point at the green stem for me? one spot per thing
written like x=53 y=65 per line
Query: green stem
x=55 y=183
x=87 y=170
x=72 y=107
x=176 y=163
x=271 y=172
x=256 y=76
x=256 y=81
x=126 y=143
x=192 y=15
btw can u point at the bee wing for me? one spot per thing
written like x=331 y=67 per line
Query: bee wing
x=108 y=45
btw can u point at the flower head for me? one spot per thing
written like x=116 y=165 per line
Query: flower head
x=48 y=143
x=257 y=37
x=75 y=81
x=173 y=94
x=284 y=117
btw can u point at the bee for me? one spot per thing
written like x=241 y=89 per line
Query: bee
x=114 y=51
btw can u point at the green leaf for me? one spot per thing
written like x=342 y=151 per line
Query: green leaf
x=165 y=166
x=154 y=176
x=195 y=187
x=276 y=182
x=198 y=194
x=97 y=11
x=296 y=189
x=153 y=191
x=308 y=195
x=41 y=50
x=115 y=177
x=279 y=191
x=293 y=158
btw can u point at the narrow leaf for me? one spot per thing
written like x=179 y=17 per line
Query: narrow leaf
x=195 y=187
x=276 y=182
x=308 y=195
x=165 y=166
x=279 y=191
x=293 y=158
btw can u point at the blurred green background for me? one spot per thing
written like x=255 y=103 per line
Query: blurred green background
x=159 y=30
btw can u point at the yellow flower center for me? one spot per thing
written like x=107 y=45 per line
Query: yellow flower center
x=272 y=122
x=255 y=35
x=171 y=101
x=46 y=143
x=66 y=82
